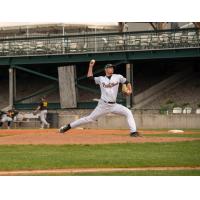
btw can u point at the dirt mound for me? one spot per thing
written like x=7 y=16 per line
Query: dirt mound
x=51 y=136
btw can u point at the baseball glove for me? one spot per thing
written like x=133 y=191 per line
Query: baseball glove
x=125 y=90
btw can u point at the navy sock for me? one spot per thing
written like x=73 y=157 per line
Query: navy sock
x=68 y=126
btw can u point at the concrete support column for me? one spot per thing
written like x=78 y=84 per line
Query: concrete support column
x=11 y=88
x=66 y=76
x=14 y=85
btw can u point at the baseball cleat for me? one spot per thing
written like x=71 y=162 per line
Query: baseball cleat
x=135 y=134
x=65 y=128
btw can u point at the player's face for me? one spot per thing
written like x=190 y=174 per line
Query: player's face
x=109 y=71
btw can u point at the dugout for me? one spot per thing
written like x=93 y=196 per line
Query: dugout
x=30 y=87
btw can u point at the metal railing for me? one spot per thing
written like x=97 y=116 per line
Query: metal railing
x=102 y=42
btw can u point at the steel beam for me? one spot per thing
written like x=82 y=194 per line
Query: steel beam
x=36 y=73
x=101 y=57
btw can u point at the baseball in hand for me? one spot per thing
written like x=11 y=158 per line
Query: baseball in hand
x=92 y=62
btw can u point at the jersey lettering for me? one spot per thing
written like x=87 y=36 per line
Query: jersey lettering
x=110 y=85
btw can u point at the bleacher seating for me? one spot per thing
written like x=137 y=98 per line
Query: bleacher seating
x=186 y=93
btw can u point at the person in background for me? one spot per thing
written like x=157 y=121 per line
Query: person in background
x=42 y=109
x=8 y=117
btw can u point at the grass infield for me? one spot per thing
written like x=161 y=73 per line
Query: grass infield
x=30 y=157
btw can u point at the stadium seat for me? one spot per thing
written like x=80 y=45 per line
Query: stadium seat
x=177 y=110
x=18 y=48
x=133 y=42
x=187 y=110
x=55 y=47
x=73 y=47
x=199 y=37
x=154 y=42
x=198 y=111
x=6 y=48
x=51 y=48
x=108 y=45
x=177 y=39
x=84 y=48
x=144 y=41
x=1 y=49
x=192 y=38
x=40 y=47
x=184 y=38
x=164 y=40
x=119 y=43
x=26 y=47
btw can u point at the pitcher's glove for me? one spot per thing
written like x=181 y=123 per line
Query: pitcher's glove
x=125 y=90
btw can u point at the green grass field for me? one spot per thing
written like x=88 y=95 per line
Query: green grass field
x=30 y=157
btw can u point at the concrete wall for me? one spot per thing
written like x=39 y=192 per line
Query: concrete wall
x=143 y=121
x=111 y=121
x=181 y=121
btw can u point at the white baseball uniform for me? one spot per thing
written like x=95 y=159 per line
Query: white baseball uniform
x=107 y=104
x=43 y=113
x=6 y=118
x=43 y=117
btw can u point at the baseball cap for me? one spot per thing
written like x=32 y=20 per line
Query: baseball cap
x=44 y=97
x=109 y=65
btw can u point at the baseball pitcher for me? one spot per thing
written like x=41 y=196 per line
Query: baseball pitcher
x=109 y=85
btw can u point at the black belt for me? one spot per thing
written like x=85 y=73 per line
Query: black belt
x=109 y=102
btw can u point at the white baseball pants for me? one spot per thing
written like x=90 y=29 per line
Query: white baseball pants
x=43 y=117
x=5 y=118
x=103 y=109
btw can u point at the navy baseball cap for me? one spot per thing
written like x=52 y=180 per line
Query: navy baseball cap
x=44 y=97
x=109 y=65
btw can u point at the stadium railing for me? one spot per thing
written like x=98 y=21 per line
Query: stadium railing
x=101 y=42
